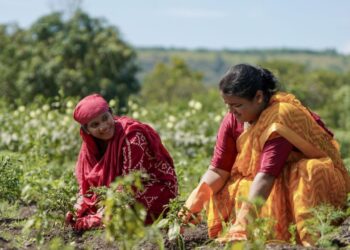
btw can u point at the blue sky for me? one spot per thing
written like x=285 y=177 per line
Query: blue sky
x=232 y=24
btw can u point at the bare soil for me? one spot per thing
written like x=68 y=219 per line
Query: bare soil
x=193 y=237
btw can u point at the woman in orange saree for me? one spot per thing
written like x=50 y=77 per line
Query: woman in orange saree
x=311 y=173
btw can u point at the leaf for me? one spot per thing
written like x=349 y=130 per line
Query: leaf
x=174 y=231
x=28 y=225
x=162 y=223
x=238 y=245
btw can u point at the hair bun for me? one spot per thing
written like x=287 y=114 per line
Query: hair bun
x=268 y=78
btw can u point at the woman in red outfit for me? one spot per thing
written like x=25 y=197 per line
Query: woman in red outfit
x=115 y=146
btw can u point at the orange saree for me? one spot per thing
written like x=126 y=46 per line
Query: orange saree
x=312 y=176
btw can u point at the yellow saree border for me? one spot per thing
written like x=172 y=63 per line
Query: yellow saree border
x=303 y=145
x=241 y=138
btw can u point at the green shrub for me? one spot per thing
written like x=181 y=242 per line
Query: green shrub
x=10 y=177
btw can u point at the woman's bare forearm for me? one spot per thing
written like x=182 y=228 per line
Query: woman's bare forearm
x=215 y=178
x=261 y=186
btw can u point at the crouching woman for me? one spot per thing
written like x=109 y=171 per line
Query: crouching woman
x=115 y=146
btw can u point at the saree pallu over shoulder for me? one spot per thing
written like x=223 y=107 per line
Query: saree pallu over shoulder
x=314 y=175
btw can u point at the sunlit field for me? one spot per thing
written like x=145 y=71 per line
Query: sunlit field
x=39 y=146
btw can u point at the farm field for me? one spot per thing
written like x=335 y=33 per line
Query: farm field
x=39 y=146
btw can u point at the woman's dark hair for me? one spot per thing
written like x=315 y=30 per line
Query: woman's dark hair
x=244 y=80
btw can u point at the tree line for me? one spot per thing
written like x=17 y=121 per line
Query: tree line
x=81 y=55
x=75 y=56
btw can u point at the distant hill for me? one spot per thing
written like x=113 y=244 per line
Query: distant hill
x=214 y=63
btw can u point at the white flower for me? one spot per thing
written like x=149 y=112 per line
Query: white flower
x=56 y=104
x=43 y=131
x=191 y=103
x=46 y=107
x=135 y=115
x=217 y=118
x=32 y=114
x=65 y=121
x=197 y=105
x=172 y=118
x=112 y=103
x=134 y=106
x=170 y=125
x=50 y=116
x=21 y=108
x=14 y=137
x=70 y=104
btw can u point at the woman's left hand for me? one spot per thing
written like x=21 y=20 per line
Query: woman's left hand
x=88 y=222
x=238 y=231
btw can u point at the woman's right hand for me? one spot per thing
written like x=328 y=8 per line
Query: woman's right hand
x=69 y=219
x=195 y=203
x=212 y=181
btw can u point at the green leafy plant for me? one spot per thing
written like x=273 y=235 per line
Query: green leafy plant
x=173 y=223
x=52 y=189
x=321 y=224
x=259 y=229
x=292 y=229
x=10 y=178
x=123 y=216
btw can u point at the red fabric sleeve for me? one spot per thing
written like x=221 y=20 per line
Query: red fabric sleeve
x=276 y=151
x=161 y=186
x=317 y=118
x=274 y=156
x=225 y=151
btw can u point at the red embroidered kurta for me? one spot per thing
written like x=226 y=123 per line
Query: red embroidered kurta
x=161 y=185
x=134 y=146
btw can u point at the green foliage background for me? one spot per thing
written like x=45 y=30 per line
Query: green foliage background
x=76 y=56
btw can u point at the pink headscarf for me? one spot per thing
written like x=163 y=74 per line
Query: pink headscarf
x=90 y=107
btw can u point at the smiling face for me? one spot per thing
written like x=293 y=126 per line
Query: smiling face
x=243 y=109
x=102 y=127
